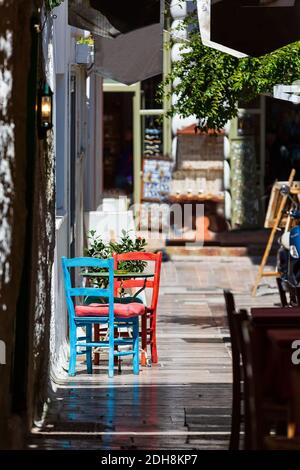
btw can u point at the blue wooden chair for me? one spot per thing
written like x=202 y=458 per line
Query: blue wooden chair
x=114 y=315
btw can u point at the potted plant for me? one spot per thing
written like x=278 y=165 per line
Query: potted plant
x=85 y=50
x=126 y=245
x=99 y=249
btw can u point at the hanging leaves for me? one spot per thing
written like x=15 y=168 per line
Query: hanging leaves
x=211 y=83
x=50 y=4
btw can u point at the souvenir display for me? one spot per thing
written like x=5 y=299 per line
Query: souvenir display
x=153 y=142
x=199 y=168
x=157 y=175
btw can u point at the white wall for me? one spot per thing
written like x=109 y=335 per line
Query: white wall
x=64 y=55
x=59 y=325
x=62 y=66
x=94 y=161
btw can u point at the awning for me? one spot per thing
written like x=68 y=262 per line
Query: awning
x=131 y=57
x=82 y=15
x=251 y=27
x=204 y=17
x=129 y=15
x=128 y=36
x=109 y=18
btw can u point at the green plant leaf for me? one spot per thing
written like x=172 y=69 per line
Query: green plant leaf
x=50 y=4
x=98 y=249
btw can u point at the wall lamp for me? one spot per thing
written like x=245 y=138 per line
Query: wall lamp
x=45 y=110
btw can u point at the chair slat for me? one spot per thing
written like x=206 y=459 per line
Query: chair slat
x=137 y=256
x=87 y=262
x=134 y=283
x=88 y=291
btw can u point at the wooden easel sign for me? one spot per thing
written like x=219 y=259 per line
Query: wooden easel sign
x=274 y=203
x=276 y=219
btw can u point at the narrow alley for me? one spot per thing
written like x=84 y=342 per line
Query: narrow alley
x=185 y=401
x=149 y=170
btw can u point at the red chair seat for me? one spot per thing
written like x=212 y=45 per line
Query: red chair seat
x=133 y=309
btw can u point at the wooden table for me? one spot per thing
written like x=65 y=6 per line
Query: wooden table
x=284 y=372
x=120 y=275
x=275 y=330
x=270 y=323
x=275 y=317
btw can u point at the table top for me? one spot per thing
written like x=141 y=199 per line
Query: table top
x=284 y=338
x=275 y=311
x=271 y=316
x=118 y=274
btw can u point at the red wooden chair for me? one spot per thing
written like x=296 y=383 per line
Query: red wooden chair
x=148 y=320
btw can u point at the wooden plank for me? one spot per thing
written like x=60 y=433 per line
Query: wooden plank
x=270 y=274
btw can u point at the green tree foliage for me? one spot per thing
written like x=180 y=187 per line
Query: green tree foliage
x=50 y=4
x=211 y=83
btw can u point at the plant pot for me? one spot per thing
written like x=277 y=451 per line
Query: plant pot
x=84 y=53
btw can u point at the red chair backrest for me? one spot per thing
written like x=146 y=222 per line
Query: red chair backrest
x=152 y=283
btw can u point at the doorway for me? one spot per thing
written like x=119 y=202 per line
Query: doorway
x=282 y=140
x=118 y=144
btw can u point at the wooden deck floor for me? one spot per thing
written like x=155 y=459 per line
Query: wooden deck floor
x=182 y=403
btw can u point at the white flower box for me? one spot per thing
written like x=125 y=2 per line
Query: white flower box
x=84 y=54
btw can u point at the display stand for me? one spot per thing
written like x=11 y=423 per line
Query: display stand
x=156 y=180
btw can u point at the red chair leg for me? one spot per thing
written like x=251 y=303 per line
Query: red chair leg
x=144 y=340
x=154 y=355
x=96 y=338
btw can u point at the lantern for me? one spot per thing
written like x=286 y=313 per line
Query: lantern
x=45 y=110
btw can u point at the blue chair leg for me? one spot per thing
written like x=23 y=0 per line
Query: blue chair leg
x=111 y=355
x=136 y=360
x=89 y=362
x=73 y=339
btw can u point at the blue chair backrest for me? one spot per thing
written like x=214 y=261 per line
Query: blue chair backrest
x=72 y=291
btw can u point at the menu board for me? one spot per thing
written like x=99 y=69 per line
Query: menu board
x=157 y=176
